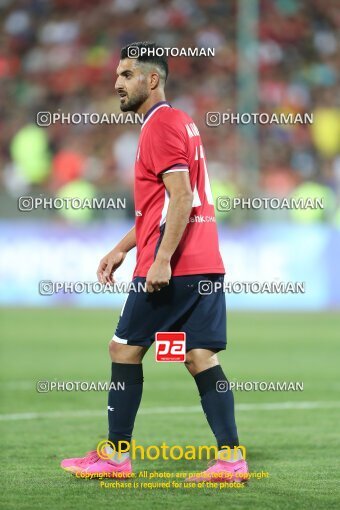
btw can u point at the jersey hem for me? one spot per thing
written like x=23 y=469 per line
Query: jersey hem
x=211 y=270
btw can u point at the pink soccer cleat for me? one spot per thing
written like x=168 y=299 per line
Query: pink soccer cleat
x=223 y=471
x=92 y=466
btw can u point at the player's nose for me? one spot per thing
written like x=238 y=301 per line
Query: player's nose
x=118 y=84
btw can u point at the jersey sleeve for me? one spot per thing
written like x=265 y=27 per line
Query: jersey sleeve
x=168 y=149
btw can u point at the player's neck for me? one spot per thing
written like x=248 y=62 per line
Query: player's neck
x=150 y=102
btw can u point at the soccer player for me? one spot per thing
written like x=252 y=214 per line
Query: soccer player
x=177 y=247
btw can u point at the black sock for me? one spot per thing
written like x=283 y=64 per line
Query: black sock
x=123 y=404
x=218 y=406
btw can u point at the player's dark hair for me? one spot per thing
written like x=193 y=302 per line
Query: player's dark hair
x=148 y=55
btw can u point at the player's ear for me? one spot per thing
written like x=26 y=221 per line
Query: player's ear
x=154 y=80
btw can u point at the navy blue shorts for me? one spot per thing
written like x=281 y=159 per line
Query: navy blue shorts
x=177 y=307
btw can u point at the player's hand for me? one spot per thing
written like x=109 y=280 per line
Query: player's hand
x=158 y=276
x=108 y=265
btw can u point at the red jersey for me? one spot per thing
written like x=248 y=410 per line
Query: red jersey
x=170 y=142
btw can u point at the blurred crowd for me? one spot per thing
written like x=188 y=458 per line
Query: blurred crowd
x=61 y=56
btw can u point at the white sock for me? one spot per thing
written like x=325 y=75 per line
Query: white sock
x=114 y=455
x=230 y=455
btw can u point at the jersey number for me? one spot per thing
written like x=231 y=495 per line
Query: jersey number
x=207 y=189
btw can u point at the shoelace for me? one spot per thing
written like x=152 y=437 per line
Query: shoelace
x=89 y=458
x=210 y=464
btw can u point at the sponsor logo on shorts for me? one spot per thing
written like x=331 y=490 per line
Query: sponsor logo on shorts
x=170 y=346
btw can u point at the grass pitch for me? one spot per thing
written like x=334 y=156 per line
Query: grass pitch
x=295 y=438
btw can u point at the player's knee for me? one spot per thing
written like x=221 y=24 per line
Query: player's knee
x=117 y=351
x=189 y=359
x=197 y=360
x=112 y=348
x=121 y=353
x=191 y=362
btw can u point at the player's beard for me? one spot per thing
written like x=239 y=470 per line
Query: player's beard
x=134 y=102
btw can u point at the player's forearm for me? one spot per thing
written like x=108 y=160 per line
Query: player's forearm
x=128 y=242
x=176 y=221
